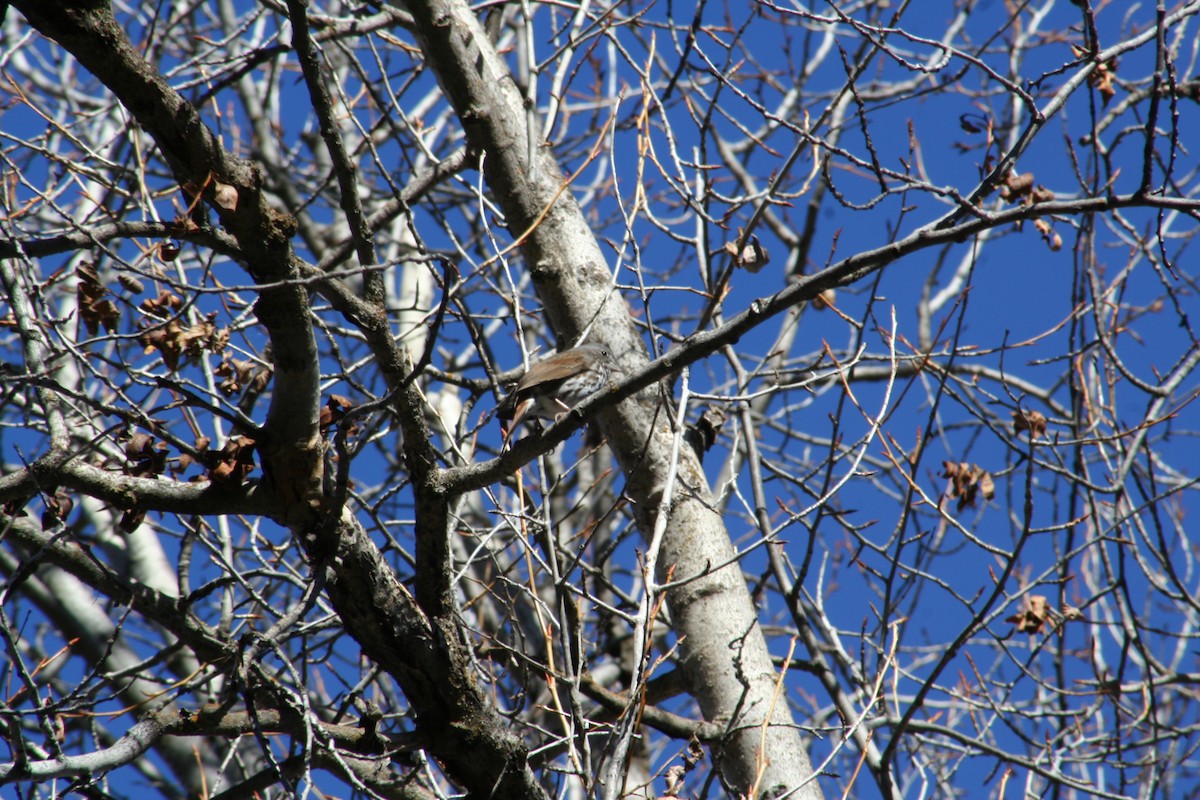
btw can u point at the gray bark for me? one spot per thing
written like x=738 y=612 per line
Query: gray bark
x=724 y=654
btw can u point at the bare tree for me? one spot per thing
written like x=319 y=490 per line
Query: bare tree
x=886 y=497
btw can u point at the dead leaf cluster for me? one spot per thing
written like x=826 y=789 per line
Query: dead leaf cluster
x=230 y=465
x=332 y=413
x=676 y=773
x=1102 y=76
x=1037 y=614
x=1032 y=421
x=1049 y=235
x=1033 y=616
x=236 y=373
x=702 y=435
x=1019 y=188
x=145 y=457
x=752 y=257
x=57 y=507
x=95 y=310
x=174 y=341
x=233 y=463
x=968 y=482
x=163 y=306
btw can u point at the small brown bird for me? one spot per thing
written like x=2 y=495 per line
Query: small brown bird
x=556 y=384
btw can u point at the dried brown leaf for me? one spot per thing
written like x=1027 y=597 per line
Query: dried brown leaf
x=703 y=434
x=132 y=519
x=131 y=283
x=967 y=482
x=234 y=462
x=1032 y=421
x=96 y=311
x=1033 y=616
x=164 y=305
x=752 y=257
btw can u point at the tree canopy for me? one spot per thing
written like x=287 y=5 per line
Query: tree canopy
x=886 y=497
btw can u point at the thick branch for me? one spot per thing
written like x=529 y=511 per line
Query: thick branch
x=233 y=188
x=724 y=654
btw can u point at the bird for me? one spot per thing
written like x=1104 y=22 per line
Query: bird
x=556 y=384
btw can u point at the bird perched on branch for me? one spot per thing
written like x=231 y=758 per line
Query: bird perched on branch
x=556 y=384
